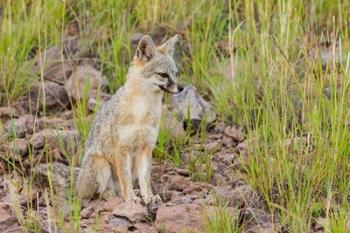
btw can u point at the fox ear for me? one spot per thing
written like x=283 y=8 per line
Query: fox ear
x=146 y=49
x=169 y=46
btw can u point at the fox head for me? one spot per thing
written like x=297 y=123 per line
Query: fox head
x=156 y=64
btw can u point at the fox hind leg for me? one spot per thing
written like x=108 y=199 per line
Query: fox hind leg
x=87 y=184
x=96 y=177
x=104 y=178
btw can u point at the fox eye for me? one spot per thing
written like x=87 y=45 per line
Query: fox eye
x=163 y=75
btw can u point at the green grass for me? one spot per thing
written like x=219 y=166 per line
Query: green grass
x=222 y=220
x=277 y=92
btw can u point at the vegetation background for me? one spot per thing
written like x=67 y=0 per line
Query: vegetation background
x=280 y=69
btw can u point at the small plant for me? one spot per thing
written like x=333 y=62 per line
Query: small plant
x=223 y=220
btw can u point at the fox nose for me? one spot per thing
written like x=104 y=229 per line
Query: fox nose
x=180 y=88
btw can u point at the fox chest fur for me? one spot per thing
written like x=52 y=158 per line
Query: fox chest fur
x=138 y=122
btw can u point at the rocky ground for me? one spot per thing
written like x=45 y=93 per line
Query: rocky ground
x=40 y=132
x=40 y=128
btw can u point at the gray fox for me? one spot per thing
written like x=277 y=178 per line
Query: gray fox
x=125 y=130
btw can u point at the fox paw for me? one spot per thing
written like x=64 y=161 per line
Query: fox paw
x=108 y=195
x=156 y=200
x=135 y=200
x=154 y=203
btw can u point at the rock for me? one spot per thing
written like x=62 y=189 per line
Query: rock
x=66 y=141
x=8 y=222
x=214 y=136
x=119 y=224
x=178 y=218
x=212 y=146
x=219 y=180
x=55 y=67
x=60 y=178
x=229 y=159
x=219 y=128
x=242 y=147
x=242 y=195
x=112 y=203
x=93 y=99
x=143 y=228
x=19 y=146
x=51 y=123
x=259 y=221
x=7 y=113
x=171 y=124
x=16 y=149
x=21 y=127
x=83 y=77
x=56 y=98
x=94 y=62
x=178 y=198
x=189 y=105
x=135 y=212
x=228 y=141
x=235 y=133
x=71 y=45
x=182 y=172
x=178 y=183
x=67 y=115
x=92 y=209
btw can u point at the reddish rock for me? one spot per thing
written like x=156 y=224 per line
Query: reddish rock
x=92 y=209
x=241 y=195
x=116 y=224
x=96 y=98
x=259 y=221
x=112 y=203
x=242 y=147
x=8 y=222
x=213 y=146
x=66 y=141
x=84 y=76
x=7 y=113
x=235 y=133
x=16 y=149
x=21 y=127
x=133 y=211
x=228 y=141
x=142 y=227
x=189 y=105
x=51 y=123
x=178 y=218
x=55 y=98
x=170 y=123
x=53 y=64
x=178 y=183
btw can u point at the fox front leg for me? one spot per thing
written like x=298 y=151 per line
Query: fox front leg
x=123 y=167
x=143 y=167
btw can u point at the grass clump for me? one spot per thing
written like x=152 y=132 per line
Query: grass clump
x=289 y=82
